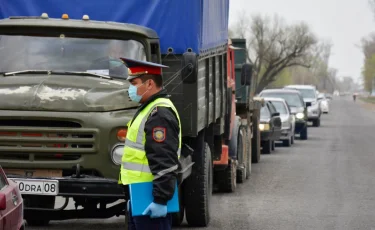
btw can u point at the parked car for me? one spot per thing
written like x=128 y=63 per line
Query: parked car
x=11 y=204
x=310 y=97
x=297 y=106
x=287 y=120
x=270 y=127
x=324 y=103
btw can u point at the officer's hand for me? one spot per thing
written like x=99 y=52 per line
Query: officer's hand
x=157 y=210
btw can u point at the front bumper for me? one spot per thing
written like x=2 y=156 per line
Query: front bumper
x=85 y=186
x=265 y=135
x=285 y=134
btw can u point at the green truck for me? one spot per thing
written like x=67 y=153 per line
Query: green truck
x=65 y=107
x=247 y=105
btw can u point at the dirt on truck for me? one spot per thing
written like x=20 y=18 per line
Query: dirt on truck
x=65 y=107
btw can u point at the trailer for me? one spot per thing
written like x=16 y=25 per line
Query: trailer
x=63 y=125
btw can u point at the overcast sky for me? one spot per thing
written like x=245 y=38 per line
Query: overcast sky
x=344 y=22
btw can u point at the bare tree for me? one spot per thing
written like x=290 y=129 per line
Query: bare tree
x=274 y=46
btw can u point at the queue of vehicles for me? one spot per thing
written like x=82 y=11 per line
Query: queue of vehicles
x=63 y=119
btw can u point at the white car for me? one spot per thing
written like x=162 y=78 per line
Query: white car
x=324 y=103
x=287 y=118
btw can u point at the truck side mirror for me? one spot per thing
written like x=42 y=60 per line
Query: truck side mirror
x=246 y=73
x=189 y=65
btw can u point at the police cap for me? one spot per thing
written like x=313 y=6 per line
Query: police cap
x=138 y=68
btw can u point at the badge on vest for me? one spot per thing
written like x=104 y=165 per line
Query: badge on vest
x=159 y=134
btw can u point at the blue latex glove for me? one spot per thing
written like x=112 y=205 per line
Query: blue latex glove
x=157 y=210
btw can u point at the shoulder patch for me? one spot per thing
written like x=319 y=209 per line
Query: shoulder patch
x=158 y=134
x=155 y=110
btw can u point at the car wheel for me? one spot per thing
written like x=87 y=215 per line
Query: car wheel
x=316 y=123
x=292 y=139
x=266 y=146
x=303 y=134
x=287 y=143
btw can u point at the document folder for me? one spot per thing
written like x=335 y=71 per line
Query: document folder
x=141 y=197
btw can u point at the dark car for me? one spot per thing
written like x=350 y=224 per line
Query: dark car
x=270 y=126
x=11 y=204
x=297 y=105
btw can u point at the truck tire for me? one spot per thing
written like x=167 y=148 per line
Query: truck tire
x=198 y=188
x=267 y=146
x=39 y=202
x=242 y=155
x=248 y=153
x=303 y=134
x=227 y=179
x=178 y=217
x=255 y=141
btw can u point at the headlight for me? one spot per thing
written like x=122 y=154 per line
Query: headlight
x=116 y=153
x=300 y=115
x=263 y=127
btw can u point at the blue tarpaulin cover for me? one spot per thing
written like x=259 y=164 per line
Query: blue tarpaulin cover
x=180 y=24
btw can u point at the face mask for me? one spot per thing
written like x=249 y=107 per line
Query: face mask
x=133 y=93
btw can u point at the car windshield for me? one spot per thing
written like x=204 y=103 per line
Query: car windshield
x=280 y=107
x=291 y=98
x=307 y=93
x=264 y=113
x=62 y=53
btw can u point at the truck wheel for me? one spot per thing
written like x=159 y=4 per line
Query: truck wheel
x=255 y=141
x=248 y=153
x=39 y=202
x=267 y=146
x=178 y=217
x=226 y=179
x=303 y=134
x=198 y=188
x=242 y=155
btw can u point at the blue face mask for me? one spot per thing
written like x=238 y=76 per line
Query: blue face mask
x=133 y=93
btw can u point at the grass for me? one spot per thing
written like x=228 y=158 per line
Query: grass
x=369 y=99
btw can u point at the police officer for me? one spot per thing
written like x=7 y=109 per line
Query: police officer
x=153 y=143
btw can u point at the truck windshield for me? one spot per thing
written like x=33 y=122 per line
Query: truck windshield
x=62 y=53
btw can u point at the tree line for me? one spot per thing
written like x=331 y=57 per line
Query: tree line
x=285 y=53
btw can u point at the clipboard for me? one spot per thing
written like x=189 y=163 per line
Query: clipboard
x=141 y=197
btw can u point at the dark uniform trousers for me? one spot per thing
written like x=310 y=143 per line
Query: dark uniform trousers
x=148 y=223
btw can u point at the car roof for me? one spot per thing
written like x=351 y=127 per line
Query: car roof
x=281 y=91
x=300 y=86
x=274 y=99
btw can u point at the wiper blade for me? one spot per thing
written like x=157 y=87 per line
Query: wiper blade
x=56 y=72
x=26 y=71
x=84 y=74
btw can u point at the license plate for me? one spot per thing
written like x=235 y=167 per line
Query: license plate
x=37 y=186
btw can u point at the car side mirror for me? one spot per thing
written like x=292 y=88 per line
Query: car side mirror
x=276 y=114
x=189 y=65
x=308 y=104
x=246 y=73
x=3 y=201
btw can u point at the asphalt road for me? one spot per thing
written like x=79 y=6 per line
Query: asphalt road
x=326 y=182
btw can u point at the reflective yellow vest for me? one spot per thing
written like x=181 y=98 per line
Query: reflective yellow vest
x=134 y=167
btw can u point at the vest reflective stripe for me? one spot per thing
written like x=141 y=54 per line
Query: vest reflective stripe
x=135 y=168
